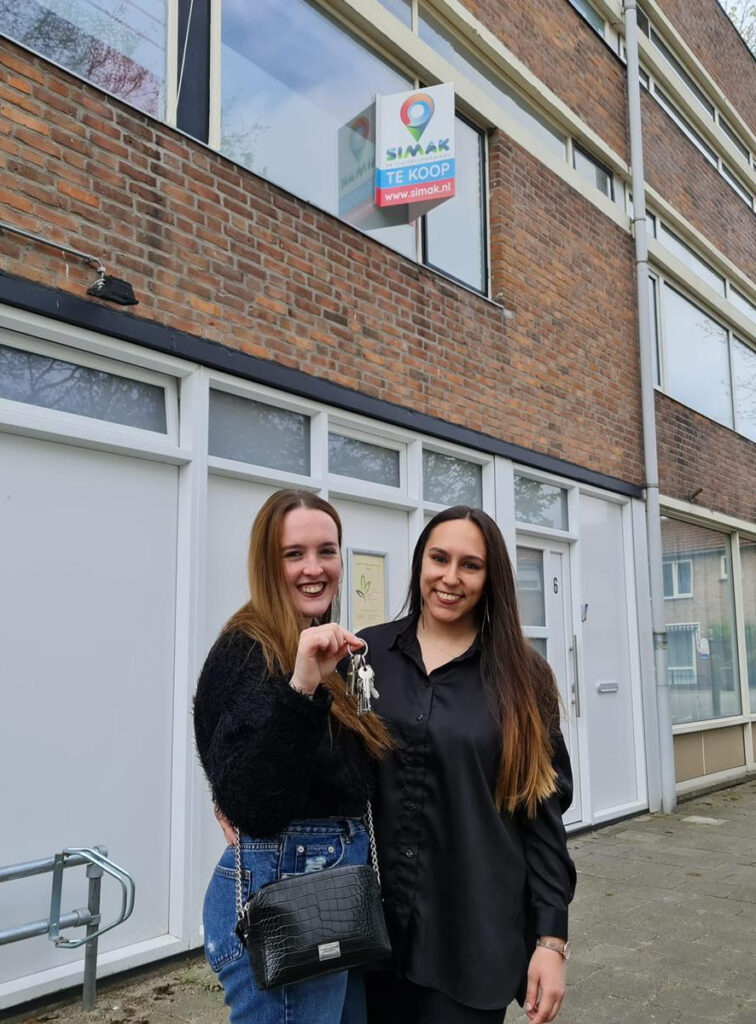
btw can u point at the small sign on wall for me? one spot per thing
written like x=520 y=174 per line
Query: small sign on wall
x=414 y=158
x=368 y=597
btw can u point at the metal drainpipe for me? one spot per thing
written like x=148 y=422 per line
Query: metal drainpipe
x=651 y=467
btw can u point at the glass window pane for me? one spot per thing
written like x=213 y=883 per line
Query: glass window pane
x=686 y=255
x=675 y=63
x=697 y=365
x=591 y=16
x=735 y=183
x=689 y=130
x=742 y=303
x=731 y=135
x=593 y=171
x=349 y=457
x=744 y=369
x=530 y=592
x=539 y=643
x=448 y=46
x=701 y=654
x=68 y=387
x=451 y=481
x=119 y=46
x=652 y=286
x=455 y=235
x=540 y=504
x=643 y=22
x=402 y=9
x=748 y=578
x=260 y=434
x=293 y=82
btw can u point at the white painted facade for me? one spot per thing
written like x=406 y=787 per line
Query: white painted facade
x=123 y=552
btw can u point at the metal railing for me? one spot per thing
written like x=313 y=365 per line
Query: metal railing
x=97 y=863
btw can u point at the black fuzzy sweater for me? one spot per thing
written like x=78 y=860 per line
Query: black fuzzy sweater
x=270 y=754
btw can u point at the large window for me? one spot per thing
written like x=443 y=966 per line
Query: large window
x=118 y=46
x=455 y=232
x=297 y=95
x=703 y=364
x=701 y=637
x=696 y=359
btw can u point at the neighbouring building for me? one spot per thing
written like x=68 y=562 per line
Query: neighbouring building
x=288 y=334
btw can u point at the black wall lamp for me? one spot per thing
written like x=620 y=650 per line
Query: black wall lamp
x=111 y=289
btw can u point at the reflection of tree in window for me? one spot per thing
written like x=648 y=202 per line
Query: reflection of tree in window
x=57 y=384
x=248 y=431
x=349 y=457
x=110 y=46
x=451 y=481
x=540 y=504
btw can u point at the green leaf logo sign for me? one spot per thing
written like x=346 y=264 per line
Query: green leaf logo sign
x=364 y=588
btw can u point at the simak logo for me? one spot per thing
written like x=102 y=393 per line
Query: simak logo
x=416 y=113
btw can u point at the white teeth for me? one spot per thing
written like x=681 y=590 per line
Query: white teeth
x=312 y=588
x=451 y=598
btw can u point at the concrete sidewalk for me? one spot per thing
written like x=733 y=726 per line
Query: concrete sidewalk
x=663 y=928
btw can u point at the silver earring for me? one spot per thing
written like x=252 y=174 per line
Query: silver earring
x=486 y=617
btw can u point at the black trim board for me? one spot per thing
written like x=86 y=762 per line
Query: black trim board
x=96 y=316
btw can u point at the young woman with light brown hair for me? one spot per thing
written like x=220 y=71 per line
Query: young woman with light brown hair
x=286 y=756
x=476 y=874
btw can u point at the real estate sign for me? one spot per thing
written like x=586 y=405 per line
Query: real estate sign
x=414 y=148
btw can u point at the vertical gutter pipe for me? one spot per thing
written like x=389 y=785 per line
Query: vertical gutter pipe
x=648 y=407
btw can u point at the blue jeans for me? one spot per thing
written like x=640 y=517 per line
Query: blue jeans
x=309 y=845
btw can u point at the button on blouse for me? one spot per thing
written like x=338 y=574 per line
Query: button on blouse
x=466 y=888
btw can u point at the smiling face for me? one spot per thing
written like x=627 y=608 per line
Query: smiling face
x=311 y=561
x=453 y=572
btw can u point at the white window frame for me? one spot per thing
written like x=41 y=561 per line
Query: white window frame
x=271 y=475
x=348 y=486
x=486 y=462
x=693 y=630
x=41 y=421
x=663 y=278
x=675 y=564
x=548 y=532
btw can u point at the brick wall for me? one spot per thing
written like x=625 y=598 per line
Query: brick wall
x=696 y=452
x=564 y=52
x=711 y=36
x=215 y=251
x=683 y=176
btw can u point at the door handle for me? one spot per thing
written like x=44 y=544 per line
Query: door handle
x=607 y=687
x=575 y=677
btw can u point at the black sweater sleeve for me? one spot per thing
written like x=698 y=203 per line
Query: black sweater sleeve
x=256 y=736
x=550 y=871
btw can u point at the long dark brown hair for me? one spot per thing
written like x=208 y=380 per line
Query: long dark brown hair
x=270 y=618
x=518 y=682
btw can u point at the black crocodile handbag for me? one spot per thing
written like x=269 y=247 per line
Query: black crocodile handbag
x=307 y=925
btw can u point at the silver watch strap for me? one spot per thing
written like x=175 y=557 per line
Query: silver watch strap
x=373 y=858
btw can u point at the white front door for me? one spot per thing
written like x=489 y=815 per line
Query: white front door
x=610 y=687
x=544 y=589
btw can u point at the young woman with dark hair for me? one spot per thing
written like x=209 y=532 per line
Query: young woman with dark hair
x=476 y=874
x=284 y=751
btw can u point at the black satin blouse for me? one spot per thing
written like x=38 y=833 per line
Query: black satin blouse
x=466 y=888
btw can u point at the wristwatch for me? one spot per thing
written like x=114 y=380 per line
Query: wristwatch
x=563 y=949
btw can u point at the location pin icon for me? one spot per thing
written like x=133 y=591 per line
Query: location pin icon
x=416 y=112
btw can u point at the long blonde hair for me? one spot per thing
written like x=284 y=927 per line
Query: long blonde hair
x=270 y=618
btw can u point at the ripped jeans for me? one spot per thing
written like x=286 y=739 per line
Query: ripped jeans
x=309 y=845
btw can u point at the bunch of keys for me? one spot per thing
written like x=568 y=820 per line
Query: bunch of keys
x=360 y=680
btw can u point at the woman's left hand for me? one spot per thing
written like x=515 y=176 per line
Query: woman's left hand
x=546 y=985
